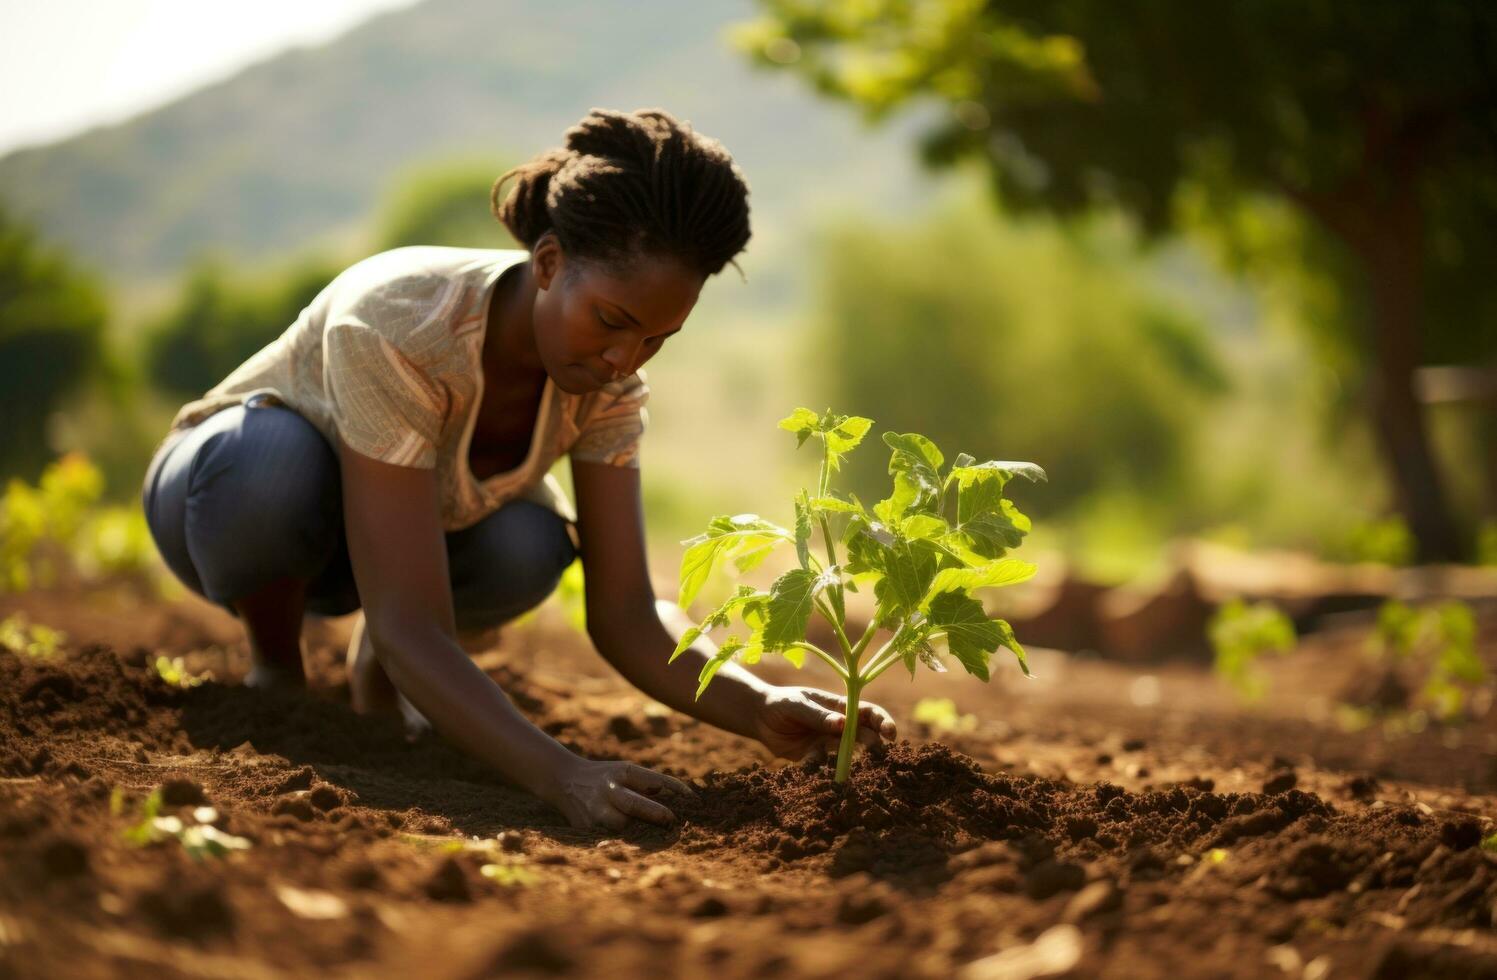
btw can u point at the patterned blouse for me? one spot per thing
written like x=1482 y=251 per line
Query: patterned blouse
x=388 y=358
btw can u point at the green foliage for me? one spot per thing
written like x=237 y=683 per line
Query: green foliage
x=940 y=714
x=1363 y=185
x=199 y=838
x=221 y=318
x=19 y=634
x=443 y=203
x=173 y=670
x=1438 y=642
x=57 y=529
x=979 y=311
x=1241 y=634
x=52 y=317
x=1386 y=541
x=942 y=533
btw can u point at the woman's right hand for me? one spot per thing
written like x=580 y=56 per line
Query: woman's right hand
x=606 y=794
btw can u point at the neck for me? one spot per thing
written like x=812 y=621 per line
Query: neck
x=509 y=343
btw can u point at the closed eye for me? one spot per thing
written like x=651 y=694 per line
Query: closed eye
x=610 y=326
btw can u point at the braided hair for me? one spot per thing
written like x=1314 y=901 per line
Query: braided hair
x=627 y=184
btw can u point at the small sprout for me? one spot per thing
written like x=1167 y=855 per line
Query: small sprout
x=1489 y=843
x=33 y=639
x=199 y=839
x=1240 y=635
x=1215 y=856
x=940 y=715
x=174 y=671
x=509 y=875
x=1438 y=641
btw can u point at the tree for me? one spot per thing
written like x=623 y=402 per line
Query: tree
x=52 y=318
x=219 y=321
x=1374 y=124
x=444 y=203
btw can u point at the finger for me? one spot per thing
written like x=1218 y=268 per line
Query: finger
x=631 y=804
x=879 y=720
x=650 y=781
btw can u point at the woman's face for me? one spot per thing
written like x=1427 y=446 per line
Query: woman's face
x=593 y=325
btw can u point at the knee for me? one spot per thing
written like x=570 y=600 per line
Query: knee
x=513 y=563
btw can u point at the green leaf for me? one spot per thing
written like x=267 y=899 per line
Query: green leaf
x=843 y=435
x=923 y=527
x=1006 y=571
x=1007 y=638
x=802 y=422
x=908 y=572
x=834 y=505
x=741 y=602
x=744 y=538
x=970 y=634
x=788 y=610
x=709 y=669
x=912 y=642
x=915 y=464
x=803 y=530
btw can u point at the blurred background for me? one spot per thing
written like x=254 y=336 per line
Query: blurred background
x=1228 y=285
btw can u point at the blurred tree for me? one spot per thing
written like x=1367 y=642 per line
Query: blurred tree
x=221 y=319
x=443 y=203
x=1014 y=342
x=1373 y=125
x=218 y=322
x=52 y=318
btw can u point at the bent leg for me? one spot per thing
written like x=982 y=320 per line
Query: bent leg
x=247 y=505
x=507 y=563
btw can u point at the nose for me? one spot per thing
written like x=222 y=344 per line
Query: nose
x=621 y=356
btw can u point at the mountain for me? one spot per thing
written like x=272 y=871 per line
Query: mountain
x=299 y=149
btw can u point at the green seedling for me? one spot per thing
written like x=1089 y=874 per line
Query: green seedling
x=941 y=534
x=199 y=838
x=1240 y=636
x=174 y=671
x=1440 y=640
x=33 y=639
x=940 y=715
x=509 y=875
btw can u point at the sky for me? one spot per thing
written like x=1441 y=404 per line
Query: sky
x=69 y=65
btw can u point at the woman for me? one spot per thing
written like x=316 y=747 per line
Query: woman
x=390 y=451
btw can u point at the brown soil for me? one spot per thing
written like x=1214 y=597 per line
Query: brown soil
x=1080 y=828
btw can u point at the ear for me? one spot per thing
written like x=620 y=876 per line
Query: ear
x=547 y=260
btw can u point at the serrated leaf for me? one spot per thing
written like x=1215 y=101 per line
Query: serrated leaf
x=908 y=571
x=709 y=669
x=970 y=635
x=843 y=436
x=788 y=610
x=923 y=527
x=915 y=464
x=834 y=505
x=1007 y=638
x=745 y=538
x=803 y=530
x=802 y=422
x=1005 y=571
x=745 y=598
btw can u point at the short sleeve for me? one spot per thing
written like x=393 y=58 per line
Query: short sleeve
x=383 y=404
x=612 y=430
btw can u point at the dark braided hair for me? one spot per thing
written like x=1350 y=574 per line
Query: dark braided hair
x=628 y=184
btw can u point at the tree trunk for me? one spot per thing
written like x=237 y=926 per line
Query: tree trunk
x=1392 y=254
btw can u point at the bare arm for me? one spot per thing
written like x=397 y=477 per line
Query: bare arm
x=398 y=552
x=621 y=614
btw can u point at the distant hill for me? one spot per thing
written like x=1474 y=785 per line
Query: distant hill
x=299 y=149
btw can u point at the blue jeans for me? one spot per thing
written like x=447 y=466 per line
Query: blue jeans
x=252 y=494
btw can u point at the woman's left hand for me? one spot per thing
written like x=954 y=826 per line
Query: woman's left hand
x=794 y=720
